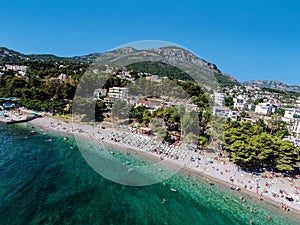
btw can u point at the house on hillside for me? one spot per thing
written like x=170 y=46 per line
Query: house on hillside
x=98 y=93
x=145 y=103
x=219 y=98
x=118 y=92
x=240 y=103
x=265 y=108
x=221 y=111
x=233 y=114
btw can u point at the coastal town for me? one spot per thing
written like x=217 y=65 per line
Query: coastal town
x=242 y=103
x=245 y=137
x=248 y=103
x=238 y=103
x=149 y=113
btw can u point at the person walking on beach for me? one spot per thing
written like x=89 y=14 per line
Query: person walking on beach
x=269 y=218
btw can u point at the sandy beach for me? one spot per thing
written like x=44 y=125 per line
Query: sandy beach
x=275 y=190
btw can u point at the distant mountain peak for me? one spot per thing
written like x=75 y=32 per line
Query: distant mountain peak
x=201 y=71
x=11 y=56
x=124 y=50
x=273 y=84
x=8 y=54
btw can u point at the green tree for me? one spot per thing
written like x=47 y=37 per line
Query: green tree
x=286 y=157
x=280 y=112
x=261 y=123
x=203 y=142
x=228 y=101
x=139 y=113
x=244 y=114
x=120 y=110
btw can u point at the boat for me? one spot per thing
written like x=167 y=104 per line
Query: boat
x=131 y=170
x=65 y=138
x=173 y=190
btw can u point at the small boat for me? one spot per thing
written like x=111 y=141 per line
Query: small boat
x=131 y=170
x=65 y=138
x=164 y=200
x=173 y=190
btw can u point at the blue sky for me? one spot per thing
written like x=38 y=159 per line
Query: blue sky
x=249 y=39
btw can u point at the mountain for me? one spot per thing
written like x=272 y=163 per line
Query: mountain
x=273 y=84
x=11 y=56
x=8 y=55
x=105 y=56
x=199 y=70
x=160 y=69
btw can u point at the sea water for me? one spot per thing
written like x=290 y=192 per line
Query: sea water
x=45 y=180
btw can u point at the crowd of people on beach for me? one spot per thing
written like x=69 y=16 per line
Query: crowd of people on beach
x=285 y=191
x=126 y=138
x=266 y=184
x=143 y=142
x=12 y=116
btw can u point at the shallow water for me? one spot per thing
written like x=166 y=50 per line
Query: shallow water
x=49 y=182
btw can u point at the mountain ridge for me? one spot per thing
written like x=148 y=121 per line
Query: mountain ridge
x=169 y=54
x=201 y=71
x=273 y=84
x=12 y=56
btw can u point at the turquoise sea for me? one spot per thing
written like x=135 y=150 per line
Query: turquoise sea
x=49 y=182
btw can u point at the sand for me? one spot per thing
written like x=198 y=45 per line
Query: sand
x=216 y=169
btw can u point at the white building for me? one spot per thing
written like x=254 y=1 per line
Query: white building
x=296 y=128
x=99 y=93
x=240 y=102
x=17 y=68
x=21 y=70
x=219 y=98
x=233 y=114
x=63 y=76
x=221 y=111
x=251 y=107
x=292 y=113
x=118 y=92
x=142 y=102
x=265 y=108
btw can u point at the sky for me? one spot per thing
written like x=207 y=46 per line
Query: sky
x=248 y=39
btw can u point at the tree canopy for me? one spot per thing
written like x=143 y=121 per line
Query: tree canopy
x=251 y=147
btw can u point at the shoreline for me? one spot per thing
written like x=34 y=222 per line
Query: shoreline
x=245 y=193
x=45 y=123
